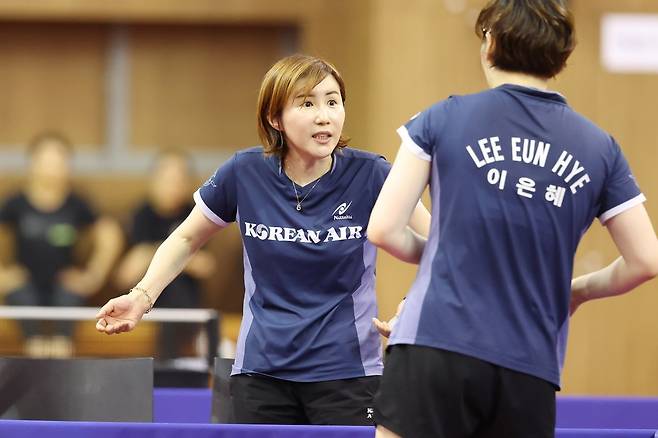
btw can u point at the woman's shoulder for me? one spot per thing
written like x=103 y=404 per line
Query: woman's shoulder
x=76 y=198
x=351 y=153
x=250 y=155
x=244 y=157
x=253 y=151
x=15 y=200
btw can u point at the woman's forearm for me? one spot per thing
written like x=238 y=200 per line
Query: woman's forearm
x=404 y=244
x=615 y=279
x=168 y=261
x=174 y=253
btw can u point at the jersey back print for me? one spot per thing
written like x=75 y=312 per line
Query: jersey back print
x=517 y=177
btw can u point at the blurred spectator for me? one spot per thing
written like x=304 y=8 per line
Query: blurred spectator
x=47 y=219
x=169 y=202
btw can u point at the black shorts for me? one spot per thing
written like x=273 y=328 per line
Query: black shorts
x=429 y=392
x=266 y=400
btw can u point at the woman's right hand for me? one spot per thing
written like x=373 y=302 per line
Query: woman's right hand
x=121 y=314
x=386 y=327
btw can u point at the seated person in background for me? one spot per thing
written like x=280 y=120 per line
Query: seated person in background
x=169 y=202
x=46 y=220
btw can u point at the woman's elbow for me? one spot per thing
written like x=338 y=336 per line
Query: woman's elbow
x=646 y=267
x=650 y=267
x=377 y=234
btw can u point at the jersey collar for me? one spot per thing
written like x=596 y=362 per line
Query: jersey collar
x=331 y=171
x=544 y=94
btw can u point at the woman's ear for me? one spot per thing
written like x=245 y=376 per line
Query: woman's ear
x=488 y=46
x=486 y=50
x=274 y=123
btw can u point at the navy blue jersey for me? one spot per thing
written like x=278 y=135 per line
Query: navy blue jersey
x=517 y=177
x=309 y=275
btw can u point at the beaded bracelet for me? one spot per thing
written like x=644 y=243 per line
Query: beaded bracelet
x=148 y=297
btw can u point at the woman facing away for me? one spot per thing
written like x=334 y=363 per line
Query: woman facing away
x=307 y=352
x=516 y=178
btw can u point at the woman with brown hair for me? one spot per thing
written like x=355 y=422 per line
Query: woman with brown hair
x=516 y=178
x=307 y=351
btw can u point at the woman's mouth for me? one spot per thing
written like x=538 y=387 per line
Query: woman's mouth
x=322 y=137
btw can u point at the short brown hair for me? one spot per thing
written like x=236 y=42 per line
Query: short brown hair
x=279 y=83
x=528 y=36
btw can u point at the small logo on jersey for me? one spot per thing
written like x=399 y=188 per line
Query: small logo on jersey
x=369 y=412
x=632 y=177
x=339 y=212
x=210 y=182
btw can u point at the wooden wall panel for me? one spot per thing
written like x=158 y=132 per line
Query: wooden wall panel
x=171 y=11
x=197 y=86
x=52 y=76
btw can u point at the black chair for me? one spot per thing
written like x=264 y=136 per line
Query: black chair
x=76 y=389
x=222 y=406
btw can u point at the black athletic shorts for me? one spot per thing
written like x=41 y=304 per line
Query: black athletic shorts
x=429 y=392
x=266 y=400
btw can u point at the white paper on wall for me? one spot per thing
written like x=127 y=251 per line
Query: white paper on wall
x=629 y=43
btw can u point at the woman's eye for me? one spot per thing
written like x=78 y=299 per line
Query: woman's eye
x=333 y=103
x=307 y=104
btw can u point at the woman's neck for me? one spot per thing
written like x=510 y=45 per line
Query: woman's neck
x=166 y=207
x=303 y=170
x=46 y=196
x=496 y=78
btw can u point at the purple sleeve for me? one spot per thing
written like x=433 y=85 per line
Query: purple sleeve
x=217 y=197
x=621 y=191
x=380 y=171
x=420 y=134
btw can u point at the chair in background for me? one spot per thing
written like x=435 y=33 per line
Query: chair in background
x=76 y=389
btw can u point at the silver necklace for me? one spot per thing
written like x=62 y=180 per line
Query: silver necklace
x=299 y=203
